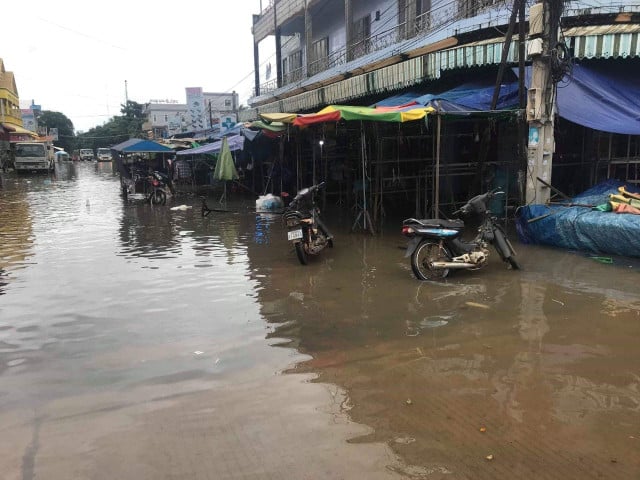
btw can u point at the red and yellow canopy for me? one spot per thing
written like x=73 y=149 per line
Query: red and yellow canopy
x=334 y=113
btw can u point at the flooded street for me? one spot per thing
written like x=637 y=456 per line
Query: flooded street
x=137 y=342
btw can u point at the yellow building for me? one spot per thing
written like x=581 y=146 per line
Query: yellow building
x=9 y=101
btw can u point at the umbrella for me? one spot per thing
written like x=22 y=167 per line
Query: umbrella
x=225 y=168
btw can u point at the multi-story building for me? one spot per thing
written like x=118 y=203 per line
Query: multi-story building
x=11 y=126
x=359 y=52
x=166 y=118
x=336 y=51
x=203 y=111
x=10 y=114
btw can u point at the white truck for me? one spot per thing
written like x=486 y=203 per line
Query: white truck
x=86 y=154
x=104 y=155
x=33 y=157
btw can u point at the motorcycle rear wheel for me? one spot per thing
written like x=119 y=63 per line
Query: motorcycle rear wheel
x=158 y=197
x=302 y=254
x=422 y=258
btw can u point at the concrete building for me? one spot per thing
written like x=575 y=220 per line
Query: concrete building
x=336 y=51
x=202 y=111
x=358 y=52
x=11 y=126
x=9 y=100
x=166 y=118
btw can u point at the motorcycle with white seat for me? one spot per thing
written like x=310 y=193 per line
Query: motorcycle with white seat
x=435 y=246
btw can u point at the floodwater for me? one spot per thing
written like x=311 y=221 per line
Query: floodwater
x=139 y=342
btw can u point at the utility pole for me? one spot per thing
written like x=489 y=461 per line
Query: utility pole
x=544 y=22
x=126 y=94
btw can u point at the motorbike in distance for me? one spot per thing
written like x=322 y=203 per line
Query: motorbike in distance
x=305 y=228
x=159 y=183
x=153 y=183
x=435 y=246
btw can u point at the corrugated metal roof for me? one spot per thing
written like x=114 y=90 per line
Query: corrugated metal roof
x=602 y=29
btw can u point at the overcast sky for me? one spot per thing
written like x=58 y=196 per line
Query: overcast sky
x=74 y=57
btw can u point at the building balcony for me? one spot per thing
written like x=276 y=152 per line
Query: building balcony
x=283 y=10
x=11 y=118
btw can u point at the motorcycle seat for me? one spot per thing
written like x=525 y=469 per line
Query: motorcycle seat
x=434 y=222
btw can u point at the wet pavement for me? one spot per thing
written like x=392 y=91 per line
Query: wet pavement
x=137 y=342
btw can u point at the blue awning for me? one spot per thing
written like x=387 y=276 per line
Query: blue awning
x=138 y=145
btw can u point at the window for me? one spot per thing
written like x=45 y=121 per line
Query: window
x=154 y=118
x=423 y=15
x=292 y=67
x=227 y=103
x=360 y=36
x=471 y=8
x=166 y=118
x=319 y=55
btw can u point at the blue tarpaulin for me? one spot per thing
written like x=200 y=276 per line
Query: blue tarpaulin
x=469 y=97
x=603 y=97
x=581 y=228
x=236 y=142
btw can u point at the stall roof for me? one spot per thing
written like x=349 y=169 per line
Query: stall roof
x=138 y=145
x=473 y=97
x=235 y=142
x=467 y=98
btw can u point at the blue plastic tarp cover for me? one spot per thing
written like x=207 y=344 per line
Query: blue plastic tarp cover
x=581 y=228
x=469 y=97
x=604 y=96
x=236 y=142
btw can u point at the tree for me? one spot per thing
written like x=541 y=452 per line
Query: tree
x=66 y=135
x=118 y=129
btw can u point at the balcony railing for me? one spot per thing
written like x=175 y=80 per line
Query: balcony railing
x=293 y=76
x=337 y=57
x=432 y=21
x=577 y=10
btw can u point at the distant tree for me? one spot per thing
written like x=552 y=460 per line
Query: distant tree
x=133 y=110
x=66 y=135
x=118 y=129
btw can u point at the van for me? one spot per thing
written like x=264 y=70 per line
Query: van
x=32 y=157
x=86 y=154
x=104 y=155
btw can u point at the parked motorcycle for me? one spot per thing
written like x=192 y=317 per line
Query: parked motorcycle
x=160 y=183
x=436 y=247
x=155 y=184
x=305 y=228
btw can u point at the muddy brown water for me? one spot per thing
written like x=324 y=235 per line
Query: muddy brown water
x=138 y=342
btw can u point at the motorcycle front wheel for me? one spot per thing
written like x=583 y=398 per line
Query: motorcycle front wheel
x=158 y=197
x=422 y=258
x=514 y=263
x=302 y=254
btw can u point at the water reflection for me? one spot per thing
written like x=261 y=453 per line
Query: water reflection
x=143 y=304
x=513 y=350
